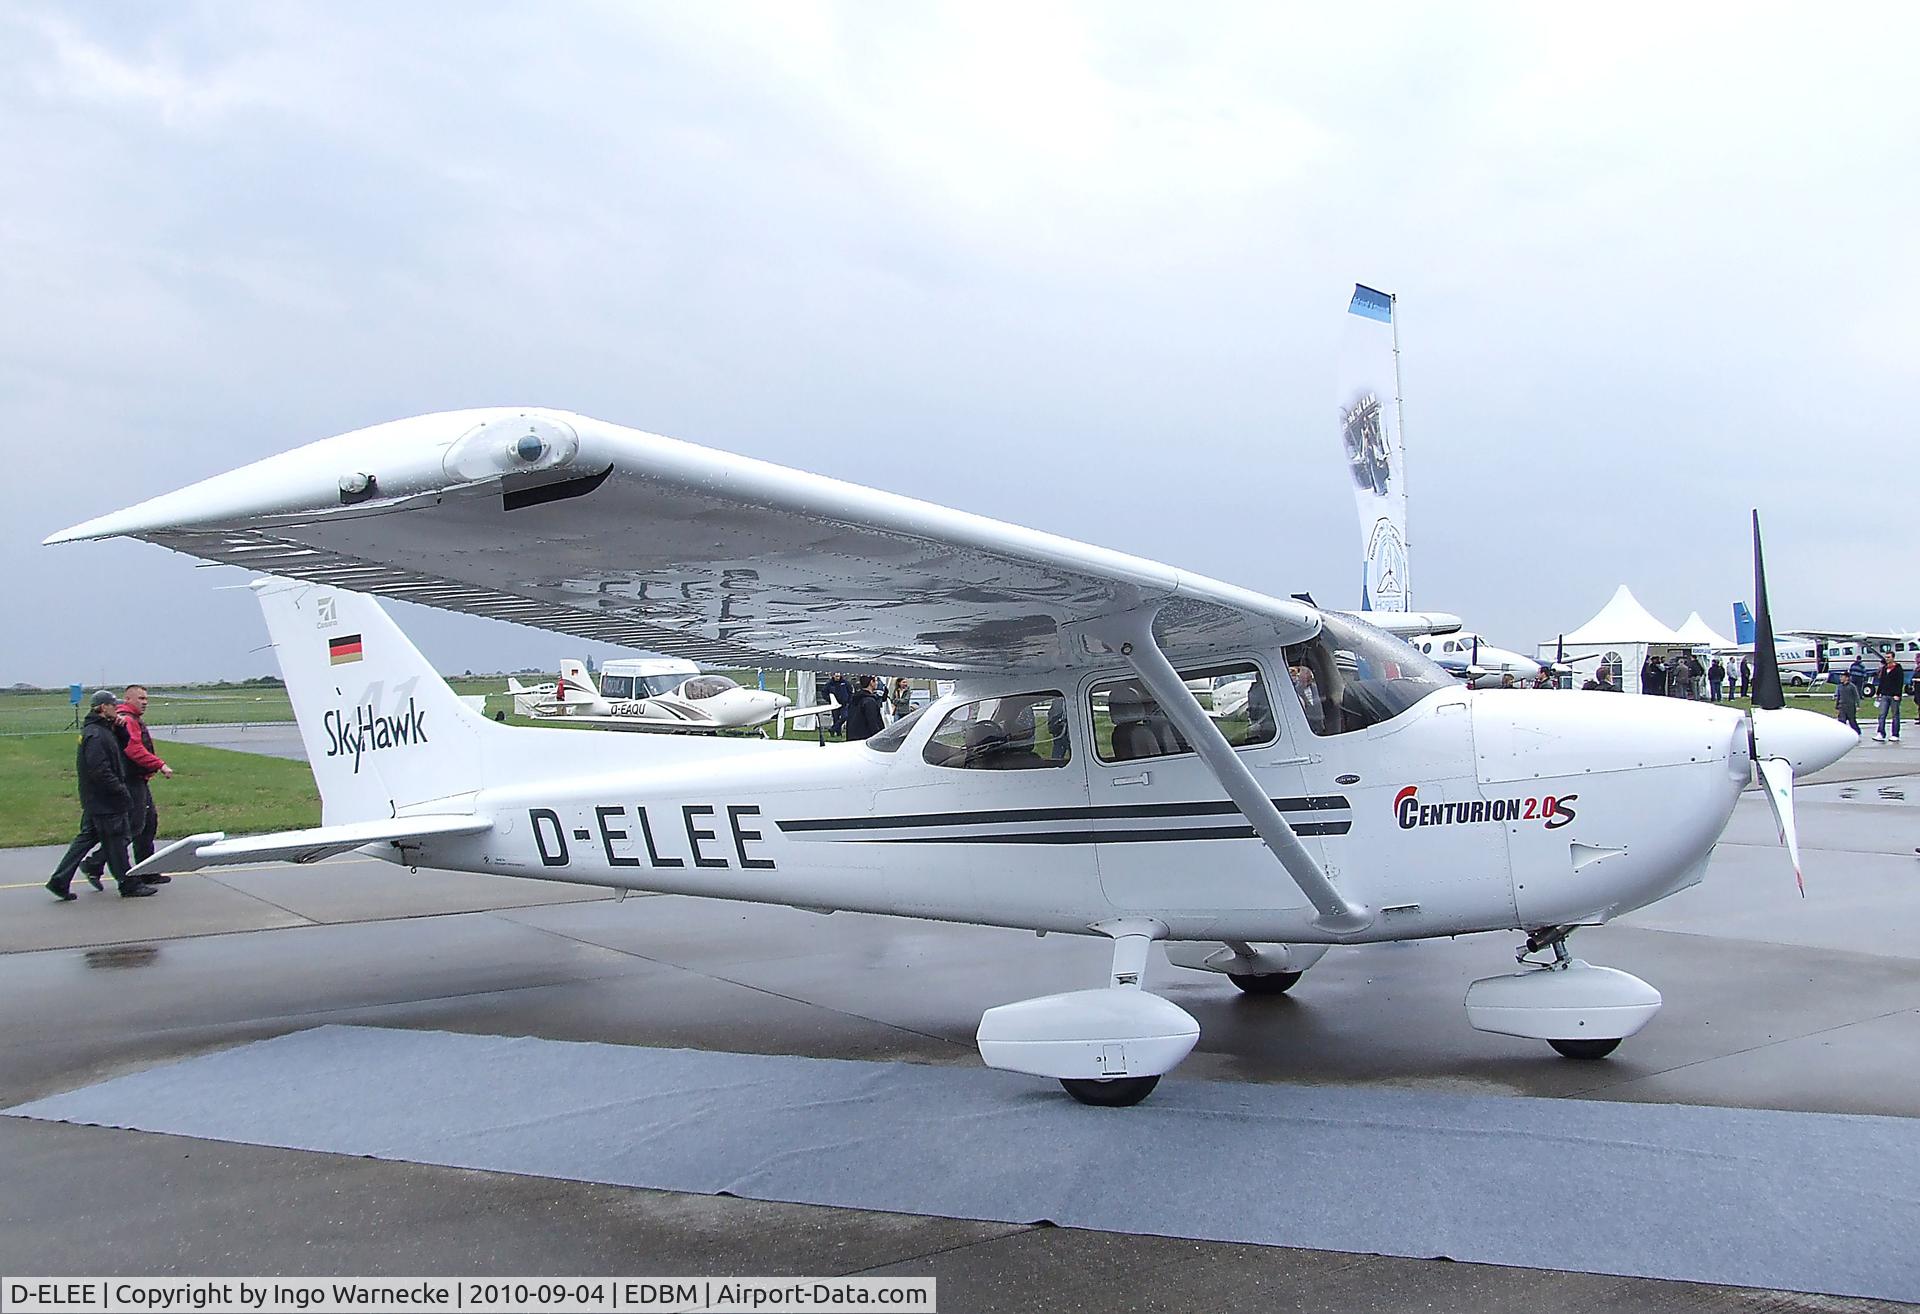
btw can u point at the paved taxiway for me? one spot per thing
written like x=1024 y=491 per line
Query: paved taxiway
x=1772 y=1002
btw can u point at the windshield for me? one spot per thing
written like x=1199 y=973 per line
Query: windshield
x=1351 y=675
x=890 y=739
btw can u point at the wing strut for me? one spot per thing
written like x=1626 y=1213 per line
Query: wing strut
x=1131 y=635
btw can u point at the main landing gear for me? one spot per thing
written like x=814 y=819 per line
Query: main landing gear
x=1262 y=969
x=1269 y=983
x=1582 y=1011
x=1105 y=1047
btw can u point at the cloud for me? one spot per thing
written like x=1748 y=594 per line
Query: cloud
x=1076 y=266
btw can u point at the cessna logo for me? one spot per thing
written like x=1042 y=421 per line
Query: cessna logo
x=1410 y=812
x=371 y=732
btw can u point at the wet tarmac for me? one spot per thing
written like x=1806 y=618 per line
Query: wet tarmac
x=1772 y=1002
x=268 y=738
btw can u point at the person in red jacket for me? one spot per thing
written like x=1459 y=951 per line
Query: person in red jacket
x=143 y=764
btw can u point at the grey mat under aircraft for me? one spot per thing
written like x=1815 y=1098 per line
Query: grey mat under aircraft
x=1797 y=1201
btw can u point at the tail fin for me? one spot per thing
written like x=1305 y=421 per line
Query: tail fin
x=575 y=684
x=383 y=731
x=1742 y=623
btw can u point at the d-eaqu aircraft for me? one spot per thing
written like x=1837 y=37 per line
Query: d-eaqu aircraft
x=1071 y=782
x=663 y=695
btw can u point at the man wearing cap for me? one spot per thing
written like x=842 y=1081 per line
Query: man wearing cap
x=101 y=764
x=143 y=764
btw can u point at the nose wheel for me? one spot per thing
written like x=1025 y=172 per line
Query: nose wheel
x=1110 y=1093
x=1582 y=1011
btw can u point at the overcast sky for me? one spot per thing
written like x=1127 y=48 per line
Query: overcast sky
x=1081 y=268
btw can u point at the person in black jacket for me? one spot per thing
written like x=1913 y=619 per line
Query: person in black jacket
x=1891 y=686
x=863 y=713
x=841 y=693
x=101 y=764
x=1653 y=676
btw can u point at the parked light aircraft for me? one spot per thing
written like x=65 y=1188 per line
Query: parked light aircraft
x=1071 y=782
x=1466 y=656
x=664 y=694
x=1819 y=656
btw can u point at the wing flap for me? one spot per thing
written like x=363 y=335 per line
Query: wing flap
x=214 y=849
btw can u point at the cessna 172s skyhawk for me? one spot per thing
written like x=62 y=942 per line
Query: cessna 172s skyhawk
x=1072 y=782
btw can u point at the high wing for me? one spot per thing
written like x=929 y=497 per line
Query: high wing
x=572 y=524
x=1842 y=636
x=1406 y=624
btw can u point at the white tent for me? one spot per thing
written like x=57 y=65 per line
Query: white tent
x=1699 y=634
x=1620 y=635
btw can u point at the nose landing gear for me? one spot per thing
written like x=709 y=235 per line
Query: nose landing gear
x=1582 y=1011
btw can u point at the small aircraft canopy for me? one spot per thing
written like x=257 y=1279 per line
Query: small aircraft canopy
x=707 y=686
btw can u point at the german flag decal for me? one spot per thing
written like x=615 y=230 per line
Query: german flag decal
x=346 y=648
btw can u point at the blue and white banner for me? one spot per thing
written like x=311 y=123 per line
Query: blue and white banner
x=1370 y=442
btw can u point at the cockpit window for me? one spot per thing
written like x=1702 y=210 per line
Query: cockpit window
x=1351 y=675
x=706 y=686
x=1017 y=732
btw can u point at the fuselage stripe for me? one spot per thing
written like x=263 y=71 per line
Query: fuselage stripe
x=1157 y=836
x=1121 y=812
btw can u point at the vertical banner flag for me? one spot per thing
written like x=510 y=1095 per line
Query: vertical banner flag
x=1370 y=439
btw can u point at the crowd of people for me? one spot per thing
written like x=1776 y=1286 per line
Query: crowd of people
x=1683 y=676
x=116 y=764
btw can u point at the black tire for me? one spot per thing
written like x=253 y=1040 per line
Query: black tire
x=1585 y=1049
x=1270 y=983
x=1112 y=1092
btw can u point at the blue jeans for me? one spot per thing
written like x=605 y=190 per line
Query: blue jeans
x=1889 y=705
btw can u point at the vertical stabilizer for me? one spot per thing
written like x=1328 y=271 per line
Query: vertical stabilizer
x=1371 y=442
x=575 y=683
x=1742 y=624
x=382 y=730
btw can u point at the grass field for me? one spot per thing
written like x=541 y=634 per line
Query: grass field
x=211 y=789
x=26 y=712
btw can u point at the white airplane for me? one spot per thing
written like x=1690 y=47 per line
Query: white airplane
x=665 y=694
x=1071 y=782
x=1467 y=656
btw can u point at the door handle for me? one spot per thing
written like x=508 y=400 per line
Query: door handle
x=1144 y=778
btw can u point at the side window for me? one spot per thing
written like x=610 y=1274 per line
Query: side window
x=1129 y=724
x=1016 y=732
x=616 y=686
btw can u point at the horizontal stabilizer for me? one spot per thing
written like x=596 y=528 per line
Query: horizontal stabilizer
x=216 y=850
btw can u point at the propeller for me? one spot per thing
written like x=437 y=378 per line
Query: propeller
x=1783 y=741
